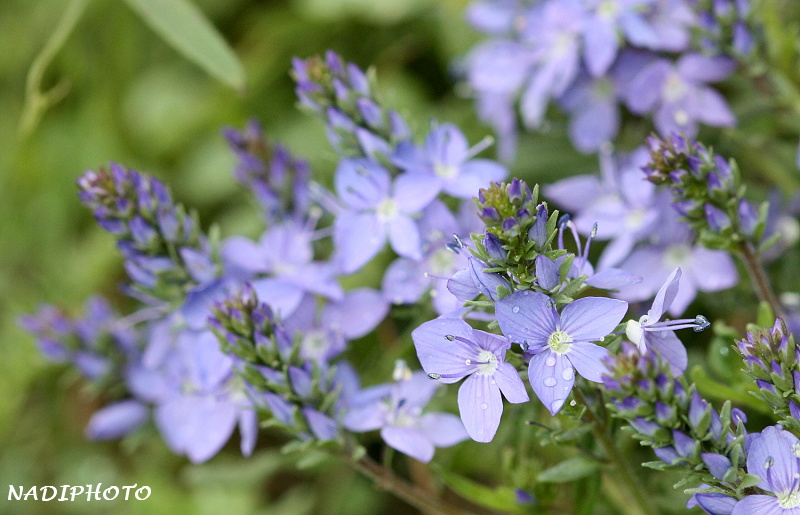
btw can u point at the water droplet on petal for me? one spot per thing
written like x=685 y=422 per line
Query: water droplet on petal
x=468 y=362
x=525 y=292
x=515 y=309
x=550 y=381
x=567 y=374
x=556 y=405
x=492 y=382
x=770 y=462
x=449 y=337
x=484 y=406
x=550 y=361
x=434 y=376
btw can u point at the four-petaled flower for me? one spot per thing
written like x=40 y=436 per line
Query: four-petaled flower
x=774 y=456
x=560 y=344
x=449 y=349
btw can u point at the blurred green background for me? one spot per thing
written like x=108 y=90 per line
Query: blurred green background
x=131 y=98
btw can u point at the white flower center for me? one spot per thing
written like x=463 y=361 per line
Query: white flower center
x=445 y=171
x=674 y=88
x=635 y=331
x=559 y=342
x=677 y=255
x=441 y=262
x=387 y=210
x=490 y=361
x=608 y=9
x=789 y=499
x=314 y=344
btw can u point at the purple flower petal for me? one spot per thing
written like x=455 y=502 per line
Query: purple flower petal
x=358 y=313
x=474 y=175
x=410 y=441
x=667 y=344
x=701 y=68
x=414 y=191
x=600 y=45
x=195 y=426
x=761 y=505
x=481 y=407
x=443 y=429
x=589 y=360
x=527 y=319
x=116 y=420
x=248 y=429
x=361 y=183
x=773 y=449
x=438 y=354
x=552 y=377
x=404 y=237
x=510 y=384
x=665 y=296
x=365 y=418
x=358 y=238
x=592 y=318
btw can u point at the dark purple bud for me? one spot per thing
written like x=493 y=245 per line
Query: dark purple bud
x=748 y=218
x=698 y=411
x=716 y=218
x=510 y=224
x=546 y=272
x=667 y=454
x=516 y=191
x=737 y=416
x=644 y=426
x=491 y=213
x=538 y=231
x=763 y=385
x=717 y=464
x=665 y=414
x=684 y=444
x=494 y=247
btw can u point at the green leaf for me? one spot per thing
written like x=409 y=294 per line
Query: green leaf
x=569 y=470
x=502 y=498
x=183 y=26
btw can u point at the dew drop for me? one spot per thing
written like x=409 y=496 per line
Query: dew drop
x=525 y=292
x=550 y=361
x=449 y=337
x=769 y=463
x=567 y=374
x=468 y=362
x=796 y=449
x=492 y=382
x=550 y=381
x=434 y=376
x=515 y=309
x=572 y=402
x=484 y=406
x=556 y=405
x=566 y=388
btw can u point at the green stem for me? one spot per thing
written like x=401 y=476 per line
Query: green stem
x=385 y=479
x=627 y=475
x=37 y=101
x=758 y=277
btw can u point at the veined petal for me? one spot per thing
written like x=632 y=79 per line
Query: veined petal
x=410 y=441
x=443 y=429
x=361 y=183
x=760 y=504
x=358 y=237
x=438 y=354
x=447 y=145
x=527 y=319
x=665 y=296
x=667 y=344
x=510 y=384
x=358 y=313
x=773 y=449
x=588 y=359
x=414 y=191
x=592 y=318
x=474 y=175
x=404 y=237
x=481 y=407
x=552 y=377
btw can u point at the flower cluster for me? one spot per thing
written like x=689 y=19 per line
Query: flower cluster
x=651 y=240
x=669 y=415
x=591 y=56
x=165 y=252
x=770 y=357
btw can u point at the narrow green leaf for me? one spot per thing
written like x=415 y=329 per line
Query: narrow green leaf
x=502 y=498
x=183 y=26
x=569 y=470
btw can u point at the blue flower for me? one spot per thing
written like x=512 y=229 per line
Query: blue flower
x=450 y=350
x=559 y=343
